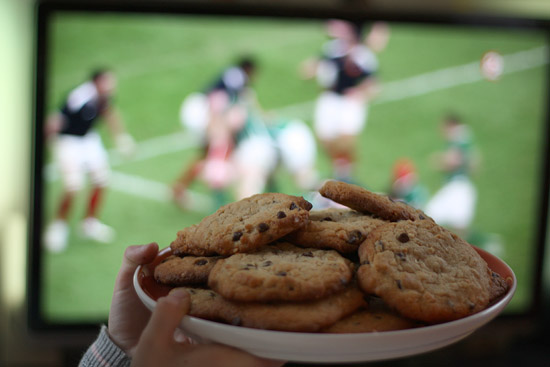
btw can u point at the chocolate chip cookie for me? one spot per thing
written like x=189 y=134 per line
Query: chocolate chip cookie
x=365 y=201
x=281 y=272
x=309 y=316
x=340 y=229
x=376 y=317
x=425 y=272
x=188 y=270
x=243 y=226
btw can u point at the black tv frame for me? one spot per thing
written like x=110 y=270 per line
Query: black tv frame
x=351 y=11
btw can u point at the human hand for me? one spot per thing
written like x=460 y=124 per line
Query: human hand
x=126 y=145
x=157 y=346
x=128 y=316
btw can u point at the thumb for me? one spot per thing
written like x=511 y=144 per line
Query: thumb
x=133 y=257
x=167 y=316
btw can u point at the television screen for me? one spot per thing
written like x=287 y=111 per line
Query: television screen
x=448 y=115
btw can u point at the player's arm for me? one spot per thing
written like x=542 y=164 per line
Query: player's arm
x=123 y=140
x=378 y=37
x=308 y=68
x=366 y=90
x=54 y=124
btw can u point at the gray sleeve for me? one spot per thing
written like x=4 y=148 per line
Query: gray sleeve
x=104 y=353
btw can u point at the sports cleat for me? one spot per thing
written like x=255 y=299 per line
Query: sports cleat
x=93 y=229
x=56 y=236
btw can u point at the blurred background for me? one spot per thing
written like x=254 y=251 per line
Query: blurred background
x=506 y=341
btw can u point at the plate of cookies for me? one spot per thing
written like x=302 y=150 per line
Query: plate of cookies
x=367 y=279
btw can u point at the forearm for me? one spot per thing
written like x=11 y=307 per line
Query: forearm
x=104 y=352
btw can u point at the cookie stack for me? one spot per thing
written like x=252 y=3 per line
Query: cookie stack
x=269 y=262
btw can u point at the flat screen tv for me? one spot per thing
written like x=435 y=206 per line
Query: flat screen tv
x=167 y=170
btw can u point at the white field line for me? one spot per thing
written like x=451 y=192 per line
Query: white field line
x=457 y=75
x=392 y=91
x=156 y=191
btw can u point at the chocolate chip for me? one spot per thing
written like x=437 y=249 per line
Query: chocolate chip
x=366 y=262
x=237 y=236
x=399 y=285
x=308 y=254
x=281 y=274
x=250 y=266
x=200 y=262
x=281 y=215
x=293 y=206
x=262 y=227
x=267 y=263
x=354 y=237
x=403 y=238
x=401 y=256
x=421 y=217
x=328 y=219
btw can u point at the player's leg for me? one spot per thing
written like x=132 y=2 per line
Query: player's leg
x=352 y=120
x=298 y=151
x=326 y=121
x=69 y=159
x=98 y=165
x=255 y=158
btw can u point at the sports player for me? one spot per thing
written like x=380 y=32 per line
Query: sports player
x=79 y=151
x=346 y=71
x=264 y=145
x=453 y=205
x=216 y=116
x=406 y=185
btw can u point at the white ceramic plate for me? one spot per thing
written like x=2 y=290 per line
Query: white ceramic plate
x=330 y=348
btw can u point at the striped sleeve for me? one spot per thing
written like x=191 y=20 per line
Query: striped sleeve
x=104 y=353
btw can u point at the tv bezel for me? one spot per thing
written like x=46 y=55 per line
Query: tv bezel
x=37 y=324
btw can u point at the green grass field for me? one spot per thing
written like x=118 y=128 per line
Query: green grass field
x=160 y=61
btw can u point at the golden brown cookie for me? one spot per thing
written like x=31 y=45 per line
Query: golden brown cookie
x=285 y=316
x=281 y=272
x=426 y=272
x=365 y=201
x=243 y=226
x=376 y=317
x=188 y=270
x=342 y=230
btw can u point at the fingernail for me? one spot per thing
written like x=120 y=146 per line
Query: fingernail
x=179 y=294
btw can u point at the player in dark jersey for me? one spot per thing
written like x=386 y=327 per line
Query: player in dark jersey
x=216 y=116
x=346 y=71
x=79 y=151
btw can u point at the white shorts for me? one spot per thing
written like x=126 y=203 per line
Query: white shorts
x=257 y=151
x=195 y=113
x=336 y=115
x=454 y=204
x=78 y=155
x=297 y=146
